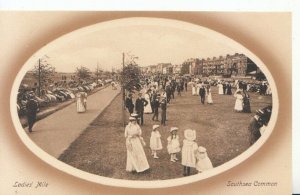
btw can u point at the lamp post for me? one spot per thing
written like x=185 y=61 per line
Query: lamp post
x=123 y=90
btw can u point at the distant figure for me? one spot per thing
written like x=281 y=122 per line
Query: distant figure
x=129 y=103
x=194 y=89
x=163 y=106
x=178 y=90
x=220 y=87
x=246 y=103
x=140 y=103
x=155 y=106
x=113 y=85
x=169 y=93
x=229 y=92
x=224 y=89
x=209 y=96
x=239 y=101
x=32 y=108
x=148 y=109
x=202 y=94
x=185 y=85
x=81 y=102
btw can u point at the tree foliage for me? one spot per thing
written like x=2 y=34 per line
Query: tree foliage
x=130 y=78
x=43 y=72
x=185 y=69
x=83 y=73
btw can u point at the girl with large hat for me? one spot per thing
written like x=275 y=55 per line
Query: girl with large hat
x=188 y=158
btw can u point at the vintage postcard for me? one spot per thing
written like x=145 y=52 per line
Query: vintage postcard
x=145 y=102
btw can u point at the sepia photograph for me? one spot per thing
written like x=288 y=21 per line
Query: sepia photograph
x=145 y=99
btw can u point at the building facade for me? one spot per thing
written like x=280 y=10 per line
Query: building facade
x=229 y=65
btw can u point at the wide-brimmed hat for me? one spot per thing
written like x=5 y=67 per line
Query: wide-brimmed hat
x=132 y=118
x=173 y=129
x=134 y=115
x=190 y=134
x=155 y=127
x=201 y=149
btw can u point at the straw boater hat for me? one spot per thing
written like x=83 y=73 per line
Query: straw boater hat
x=134 y=115
x=132 y=118
x=173 y=129
x=155 y=127
x=201 y=149
x=190 y=134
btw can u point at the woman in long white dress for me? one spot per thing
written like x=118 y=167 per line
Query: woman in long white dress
x=80 y=102
x=147 y=108
x=136 y=157
x=194 y=89
x=220 y=86
x=209 y=97
x=239 y=101
x=198 y=86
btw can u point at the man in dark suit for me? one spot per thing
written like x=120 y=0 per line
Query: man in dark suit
x=202 y=94
x=155 y=108
x=163 y=106
x=139 y=107
x=169 y=93
x=129 y=104
x=31 y=108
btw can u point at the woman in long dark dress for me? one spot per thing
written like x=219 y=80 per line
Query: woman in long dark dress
x=246 y=103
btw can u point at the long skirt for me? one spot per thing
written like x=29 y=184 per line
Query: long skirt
x=209 y=99
x=136 y=157
x=80 y=106
x=194 y=91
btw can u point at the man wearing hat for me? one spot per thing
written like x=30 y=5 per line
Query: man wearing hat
x=163 y=106
x=155 y=105
x=129 y=104
x=260 y=120
x=31 y=108
x=140 y=103
x=202 y=94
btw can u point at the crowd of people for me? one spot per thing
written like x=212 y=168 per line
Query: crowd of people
x=154 y=99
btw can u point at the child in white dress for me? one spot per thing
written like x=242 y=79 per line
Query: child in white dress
x=155 y=141
x=203 y=161
x=188 y=153
x=173 y=144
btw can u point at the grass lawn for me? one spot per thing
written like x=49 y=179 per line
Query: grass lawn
x=100 y=149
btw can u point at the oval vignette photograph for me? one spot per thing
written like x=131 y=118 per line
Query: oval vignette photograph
x=147 y=101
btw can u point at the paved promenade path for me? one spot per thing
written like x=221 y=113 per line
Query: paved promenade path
x=56 y=132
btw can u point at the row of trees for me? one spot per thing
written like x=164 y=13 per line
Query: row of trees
x=44 y=72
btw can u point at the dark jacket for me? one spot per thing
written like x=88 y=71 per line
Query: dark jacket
x=202 y=91
x=139 y=105
x=163 y=104
x=32 y=107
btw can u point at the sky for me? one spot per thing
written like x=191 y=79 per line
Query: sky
x=151 y=44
